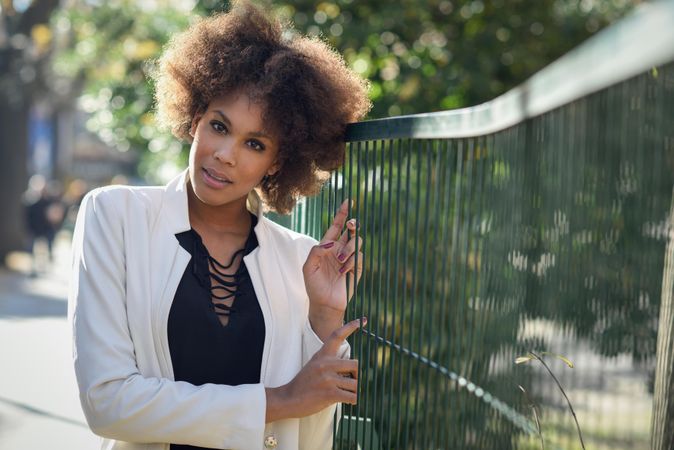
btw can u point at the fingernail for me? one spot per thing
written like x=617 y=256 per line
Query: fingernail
x=327 y=245
x=363 y=320
x=342 y=269
x=341 y=257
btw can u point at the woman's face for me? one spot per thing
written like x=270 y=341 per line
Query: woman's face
x=231 y=150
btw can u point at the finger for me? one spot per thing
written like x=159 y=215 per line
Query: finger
x=340 y=334
x=352 y=226
x=347 y=384
x=338 y=223
x=316 y=253
x=350 y=248
x=347 y=368
x=342 y=396
x=360 y=266
x=344 y=237
x=338 y=366
x=349 y=232
x=357 y=272
x=348 y=265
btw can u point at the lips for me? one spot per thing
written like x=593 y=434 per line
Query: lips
x=215 y=179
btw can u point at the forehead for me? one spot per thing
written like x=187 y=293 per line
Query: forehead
x=242 y=110
x=239 y=102
x=247 y=113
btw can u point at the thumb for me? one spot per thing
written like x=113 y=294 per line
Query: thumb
x=338 y=336
x=317 y=252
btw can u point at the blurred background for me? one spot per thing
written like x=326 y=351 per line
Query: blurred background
x=76 y=112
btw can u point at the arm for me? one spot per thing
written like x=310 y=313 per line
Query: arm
x=118 y=402
x=330 y=273
x=325 y=381
x=316 y=430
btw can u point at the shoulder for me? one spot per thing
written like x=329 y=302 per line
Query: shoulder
x=112 y=206
x=123 y=199
x=287 y=239
x=121 y=195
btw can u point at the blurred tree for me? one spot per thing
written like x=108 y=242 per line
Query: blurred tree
x=112 y=47
x=24 y=49
x=420 y=56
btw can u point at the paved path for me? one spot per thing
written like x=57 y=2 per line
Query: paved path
x=39 y=406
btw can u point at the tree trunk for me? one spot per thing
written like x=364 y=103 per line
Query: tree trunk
x=15 y=102
x=14 y=175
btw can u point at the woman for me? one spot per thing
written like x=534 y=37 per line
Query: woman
x=197 y=322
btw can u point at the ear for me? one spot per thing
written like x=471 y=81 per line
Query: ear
x=195 y=122
x=274 y=168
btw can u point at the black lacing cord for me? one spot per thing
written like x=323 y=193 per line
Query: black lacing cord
x=223 y=288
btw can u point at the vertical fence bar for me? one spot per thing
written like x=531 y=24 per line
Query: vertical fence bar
x=379 y=312
x=453 y=293
x=428 y=297
x=410 y=333
x=445 y=163
x=475 y=226
x=394 y=283
x=419 y=297
x=402 y=419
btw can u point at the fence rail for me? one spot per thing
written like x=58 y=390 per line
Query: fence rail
x=537 y=221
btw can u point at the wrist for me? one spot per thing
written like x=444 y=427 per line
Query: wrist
x=278 y=404
x=325 y=320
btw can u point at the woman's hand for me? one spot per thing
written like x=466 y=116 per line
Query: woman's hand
x=323 y=381
x=325 y=272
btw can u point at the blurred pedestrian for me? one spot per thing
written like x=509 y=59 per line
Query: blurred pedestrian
x=45 y=213
x=72 y=198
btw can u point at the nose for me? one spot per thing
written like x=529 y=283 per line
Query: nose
x=226 y=152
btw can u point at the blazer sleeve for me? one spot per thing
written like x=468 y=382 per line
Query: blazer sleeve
x=316 y=430
x=118 y=402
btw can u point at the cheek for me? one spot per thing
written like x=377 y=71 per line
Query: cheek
x=198 y=148
x=192 y=154
x=197 y=155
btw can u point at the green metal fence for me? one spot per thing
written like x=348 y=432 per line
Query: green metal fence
x=538 y=221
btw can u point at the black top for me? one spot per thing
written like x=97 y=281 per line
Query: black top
x=202 y=349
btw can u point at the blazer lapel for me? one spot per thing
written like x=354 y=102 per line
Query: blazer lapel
x=264 y=268
x=168 y=262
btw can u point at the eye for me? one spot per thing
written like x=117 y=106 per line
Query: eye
x=218 y=126
x=256 y=145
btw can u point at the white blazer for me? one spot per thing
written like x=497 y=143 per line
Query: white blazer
x=127 y=264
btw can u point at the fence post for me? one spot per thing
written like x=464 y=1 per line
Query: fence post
x=662 y=431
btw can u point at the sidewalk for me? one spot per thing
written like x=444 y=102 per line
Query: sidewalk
x=39 y=405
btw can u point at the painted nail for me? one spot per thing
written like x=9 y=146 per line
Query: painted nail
x=341 y=256
x=328 y=245
x=342 y=269
x=363 y=320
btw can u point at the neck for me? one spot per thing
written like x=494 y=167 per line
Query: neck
x=232 y=218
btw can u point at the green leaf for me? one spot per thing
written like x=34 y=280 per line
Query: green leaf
x=566 y=360
x=524 y=359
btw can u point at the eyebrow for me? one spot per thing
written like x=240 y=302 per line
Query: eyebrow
x=260 y=134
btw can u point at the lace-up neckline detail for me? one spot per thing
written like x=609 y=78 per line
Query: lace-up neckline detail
x=223 y=283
